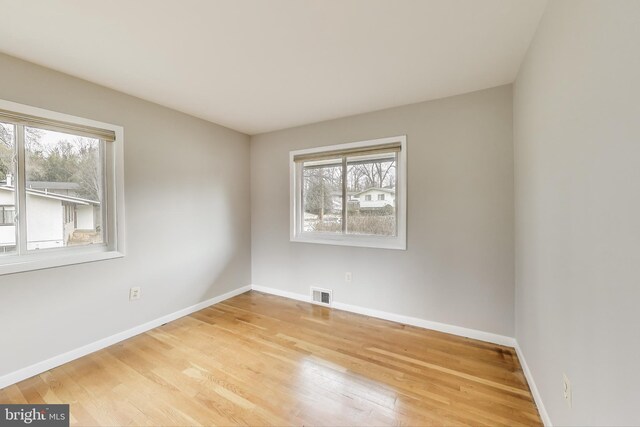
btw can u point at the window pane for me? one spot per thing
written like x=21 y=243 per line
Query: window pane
x=371 y=186
x=7 y=189
x=322 y=196
x=65 y=179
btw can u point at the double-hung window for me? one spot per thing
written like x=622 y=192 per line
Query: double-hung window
x=61 y=189
x=350 y=194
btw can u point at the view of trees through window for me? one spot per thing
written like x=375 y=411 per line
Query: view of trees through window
x=64 y=187
x=322 y=195
x=370 y=189
x=63 y=158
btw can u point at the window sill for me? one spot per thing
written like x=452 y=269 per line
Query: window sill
x=11 y=264
x=375 y=242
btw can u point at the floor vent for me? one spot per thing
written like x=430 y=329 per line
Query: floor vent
x=321 y=296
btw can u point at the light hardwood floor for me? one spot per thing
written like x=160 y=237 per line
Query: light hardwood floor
x=258 y=359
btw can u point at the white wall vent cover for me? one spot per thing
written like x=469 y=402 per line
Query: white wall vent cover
x=321 y=296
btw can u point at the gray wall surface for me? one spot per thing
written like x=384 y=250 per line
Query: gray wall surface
x=577 y=170
x=458 y=268
x=187 y=223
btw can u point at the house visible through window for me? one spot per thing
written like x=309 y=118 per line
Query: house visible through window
x=54 y=180
x=63 y=188
x=64 y=182
x=350 y=194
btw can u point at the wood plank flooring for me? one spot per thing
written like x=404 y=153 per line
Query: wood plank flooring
x=258 y=359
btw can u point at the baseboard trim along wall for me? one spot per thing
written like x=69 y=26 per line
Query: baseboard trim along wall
x=61 y=359
x=437 y=326
x=532 y=385
x=407 y=320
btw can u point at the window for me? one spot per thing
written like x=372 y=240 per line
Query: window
x=350 y=194
x=7 y=215
x=61 y=198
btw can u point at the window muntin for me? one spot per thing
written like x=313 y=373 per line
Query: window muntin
x=103 y=221
x=372 y=177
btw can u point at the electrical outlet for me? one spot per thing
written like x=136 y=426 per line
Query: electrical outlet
x=566 y=387
x=135 y=293
x=347 y=277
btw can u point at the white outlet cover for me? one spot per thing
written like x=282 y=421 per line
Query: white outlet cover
x=135 y=293
x=347 y=277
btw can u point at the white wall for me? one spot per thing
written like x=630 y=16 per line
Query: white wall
x=85 y=216
x=178 y=171
x=7 y=197
x=389 y=199
x=45 y=222
x=577 y=151
x=7 y=232
x=458 y=267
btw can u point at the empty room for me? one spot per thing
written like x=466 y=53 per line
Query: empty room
x=319 y=212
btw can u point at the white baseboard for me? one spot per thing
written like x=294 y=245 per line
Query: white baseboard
x=61 y=359
x=427 y=324
x=532 y=385
x=280 y=293
x=407 y=320
x=45 y=365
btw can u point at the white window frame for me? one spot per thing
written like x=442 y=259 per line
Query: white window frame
x=114 y=233
x=399 y=241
